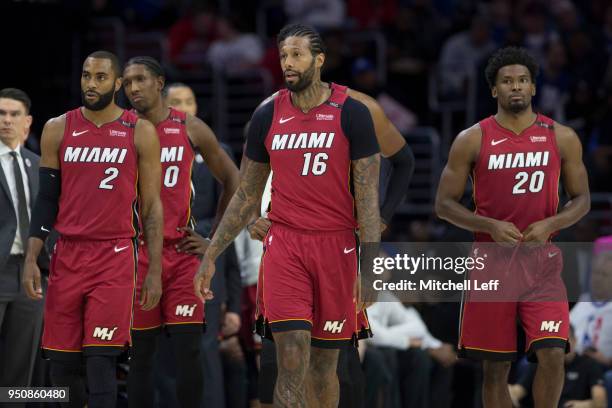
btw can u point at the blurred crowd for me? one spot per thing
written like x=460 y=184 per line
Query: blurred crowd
x=447 y=39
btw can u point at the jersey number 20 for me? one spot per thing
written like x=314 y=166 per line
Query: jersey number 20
x=536 y=182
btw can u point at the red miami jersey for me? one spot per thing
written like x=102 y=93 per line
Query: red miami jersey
x=177 y=156
x=516 y=177
x=310 y=155
x=99 y=172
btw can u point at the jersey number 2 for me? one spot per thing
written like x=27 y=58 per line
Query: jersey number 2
x=112 y=173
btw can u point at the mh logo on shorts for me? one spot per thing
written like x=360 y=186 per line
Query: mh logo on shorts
x=104 y=333
x=333 y=326
x=550 y=326
x=185 y=310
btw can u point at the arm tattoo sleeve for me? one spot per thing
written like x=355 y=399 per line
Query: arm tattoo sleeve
x=365 y=183
x=242 y=206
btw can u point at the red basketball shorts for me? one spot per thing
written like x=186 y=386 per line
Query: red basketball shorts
x=306 y=283
x=533 y=294
x=88 y=306
x=179 y=309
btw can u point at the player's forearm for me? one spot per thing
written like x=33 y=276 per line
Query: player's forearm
x=238 y=213
x=153 y=226
x=366 y=173
x=35 y=246
x=241 y=206
x=571 y=213
x=455 y=213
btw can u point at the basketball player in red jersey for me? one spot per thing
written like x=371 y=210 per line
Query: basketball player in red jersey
x=393 y=146
x=179 y=311
x=317 y=141
x=96 y=156
x=516 y=158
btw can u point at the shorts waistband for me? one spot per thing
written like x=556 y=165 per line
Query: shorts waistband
x=85 y=240
x=310 y=232
x=167 y=242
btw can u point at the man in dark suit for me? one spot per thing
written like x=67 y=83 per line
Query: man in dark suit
x=20 y=317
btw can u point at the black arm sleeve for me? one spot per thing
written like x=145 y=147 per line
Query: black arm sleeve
x=402 y=164
x=232 y=282
x=257 y=132
x=47 y=203
x=358 y=127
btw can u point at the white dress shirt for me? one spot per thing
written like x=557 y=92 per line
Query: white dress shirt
x=7 y=167
x=394 y=325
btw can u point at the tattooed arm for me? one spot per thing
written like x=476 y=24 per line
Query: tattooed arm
x=358 y=126
x=253 y=177
x=366 y=172
x=365 y=182
x=254 y=172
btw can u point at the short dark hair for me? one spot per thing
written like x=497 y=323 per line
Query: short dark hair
x=115 y=65
x=18 y=95
x=510 y=56
x=303 y=30
x=174 y=85
x=150 y=63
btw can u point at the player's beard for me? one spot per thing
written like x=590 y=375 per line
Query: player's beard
x=304 y=79
x=103 y=100
x=518 y=106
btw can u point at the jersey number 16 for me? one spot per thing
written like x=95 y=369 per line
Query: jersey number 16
x=318 y=164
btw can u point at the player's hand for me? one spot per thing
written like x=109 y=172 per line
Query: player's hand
x=504 y=232
x=444 y=355
x=192 y=243
x=259 y=228
x=151 y=290
x=201 y=282
x=538 y=232
x=231 y=324
x=31 y=280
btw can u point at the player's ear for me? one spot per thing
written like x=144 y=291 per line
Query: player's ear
x=494 y=92
x=118 y=83
x=319 y=60
x=161 y=81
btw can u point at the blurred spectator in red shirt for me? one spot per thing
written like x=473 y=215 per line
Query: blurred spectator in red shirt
x=372 y=13
x=190 y=37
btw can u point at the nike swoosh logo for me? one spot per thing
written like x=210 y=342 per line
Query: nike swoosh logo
x=282 y=120
x=44 y=229
x=552 y=254
x=121 y=249
x=348 y=251
x=75 y=133
x=496 y=142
